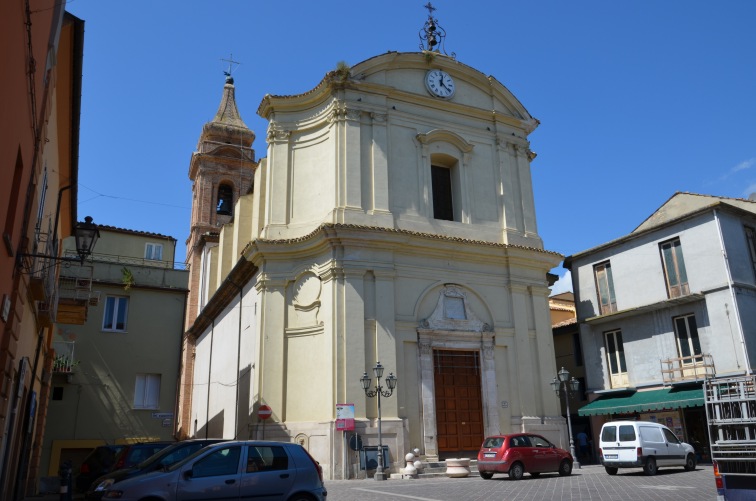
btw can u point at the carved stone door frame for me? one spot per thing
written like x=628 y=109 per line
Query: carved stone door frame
x=454 y=326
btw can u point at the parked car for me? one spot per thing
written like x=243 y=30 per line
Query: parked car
x=133 y=454
x=521 y=453
x=232 y=470
x=160 y=460
x=97 y=462
x=642 y=444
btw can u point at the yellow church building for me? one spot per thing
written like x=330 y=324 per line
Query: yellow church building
x=392 y=219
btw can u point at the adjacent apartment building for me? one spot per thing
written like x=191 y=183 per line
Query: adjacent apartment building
x=114 y=378
x=666 y=306
x=40 y=90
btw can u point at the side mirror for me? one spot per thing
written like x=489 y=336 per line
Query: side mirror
x=188 y=474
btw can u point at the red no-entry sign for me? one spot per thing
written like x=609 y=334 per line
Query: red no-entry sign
x=264 y=412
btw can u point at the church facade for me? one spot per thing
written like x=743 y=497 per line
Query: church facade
x=392 y=221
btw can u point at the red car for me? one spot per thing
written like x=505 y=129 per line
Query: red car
x=519 y=453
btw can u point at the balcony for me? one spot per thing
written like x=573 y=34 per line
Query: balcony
x=687 y=369
x=64 y=362
x=75 y=295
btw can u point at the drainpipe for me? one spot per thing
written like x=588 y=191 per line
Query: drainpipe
x=732 y=292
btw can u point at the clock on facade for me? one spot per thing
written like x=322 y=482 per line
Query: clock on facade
x=440 y=84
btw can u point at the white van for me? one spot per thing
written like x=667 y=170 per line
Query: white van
x=634 y=444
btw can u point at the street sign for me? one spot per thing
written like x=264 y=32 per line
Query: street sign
x=264 y=412
x=345 y=417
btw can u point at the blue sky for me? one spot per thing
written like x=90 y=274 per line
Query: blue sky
x=637 y=99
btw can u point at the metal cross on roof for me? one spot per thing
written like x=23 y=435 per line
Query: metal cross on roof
x=432 y=35
x=231 y=62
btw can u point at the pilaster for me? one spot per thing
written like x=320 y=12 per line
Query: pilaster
x=272 y=345
x=524 y=352
x=279 y=167
x=379 y=171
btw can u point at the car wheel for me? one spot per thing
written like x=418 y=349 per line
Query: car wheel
x=565 y=467
x=611 y=470
x=690 y=462
x=488 y=475
x=516 y=471
x=535 y=474
x=650 y=467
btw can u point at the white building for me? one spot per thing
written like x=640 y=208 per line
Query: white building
x=392 y=220
x=664 y=307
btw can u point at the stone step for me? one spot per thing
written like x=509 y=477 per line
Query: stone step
x=435 y=469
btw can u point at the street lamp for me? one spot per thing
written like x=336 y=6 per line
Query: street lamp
x=378 y=391
x=570 y=385
x=85 y=233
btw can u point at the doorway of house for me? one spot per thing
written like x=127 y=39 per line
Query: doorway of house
x=459 y=406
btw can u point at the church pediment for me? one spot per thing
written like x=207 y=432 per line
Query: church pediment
x=402 y=76
x=453 y=313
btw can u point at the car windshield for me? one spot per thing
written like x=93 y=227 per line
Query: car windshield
x=158 y=456
x=493 y=442
x=176 y=466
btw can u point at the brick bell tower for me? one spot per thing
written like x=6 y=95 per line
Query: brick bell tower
x=222 y=169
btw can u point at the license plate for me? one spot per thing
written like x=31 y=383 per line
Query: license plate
x=610 y=456
x=489 y=455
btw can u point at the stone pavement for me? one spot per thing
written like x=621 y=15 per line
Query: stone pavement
x=591 y=483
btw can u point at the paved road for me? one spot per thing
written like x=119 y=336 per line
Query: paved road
x=591 y=483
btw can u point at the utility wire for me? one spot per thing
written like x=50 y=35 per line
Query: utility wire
x=115 y=197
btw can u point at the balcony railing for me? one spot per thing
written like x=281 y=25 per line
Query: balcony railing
x=64 y=362
x=75 y=294
x=136 y=261
x=691 y=368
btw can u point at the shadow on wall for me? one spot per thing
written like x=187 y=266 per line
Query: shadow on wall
x=243 y=418
x=585 y=310
x=213 y=428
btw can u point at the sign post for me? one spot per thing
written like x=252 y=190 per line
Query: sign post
x=345 y=422
x=263 y=413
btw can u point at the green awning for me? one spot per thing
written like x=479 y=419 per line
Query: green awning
x=642 y=401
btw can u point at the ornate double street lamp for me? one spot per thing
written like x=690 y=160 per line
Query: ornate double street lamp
x=378 y=391
x=570 y=386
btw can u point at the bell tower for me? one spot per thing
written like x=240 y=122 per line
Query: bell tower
x=222 y=169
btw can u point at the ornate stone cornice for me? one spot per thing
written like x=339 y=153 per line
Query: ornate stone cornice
x=343 y=113
x=445 y=136
x=277 y=135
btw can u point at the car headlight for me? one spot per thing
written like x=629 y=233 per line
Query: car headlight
x=104 y=484
x=113 y=495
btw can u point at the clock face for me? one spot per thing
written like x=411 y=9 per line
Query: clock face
x=440 y=84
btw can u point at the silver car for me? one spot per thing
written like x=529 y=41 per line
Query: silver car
x=231 y=471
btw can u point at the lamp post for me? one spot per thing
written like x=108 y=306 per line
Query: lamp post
x=378 y=391
x=570 y=385
x=85 y=233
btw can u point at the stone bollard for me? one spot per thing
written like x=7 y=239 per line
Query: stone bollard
x=409 y=470
x=458 y=467
x=418 y=464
